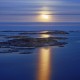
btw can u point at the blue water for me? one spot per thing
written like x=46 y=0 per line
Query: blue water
x=58 y=63
x=37 y=26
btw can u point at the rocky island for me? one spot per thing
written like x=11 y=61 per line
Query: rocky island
x=14 y=41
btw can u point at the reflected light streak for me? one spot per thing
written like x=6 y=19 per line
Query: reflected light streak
x=44 y=62
x=44 y=35
x=44 y=65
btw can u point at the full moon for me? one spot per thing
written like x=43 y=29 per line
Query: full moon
x=44 y=16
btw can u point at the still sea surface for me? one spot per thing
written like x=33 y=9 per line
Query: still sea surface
x=42 y=63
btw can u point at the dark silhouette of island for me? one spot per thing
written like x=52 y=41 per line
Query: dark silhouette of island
x=25 y=44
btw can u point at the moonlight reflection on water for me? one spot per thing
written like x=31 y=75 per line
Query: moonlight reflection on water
x=44 y=64
x=44 y=35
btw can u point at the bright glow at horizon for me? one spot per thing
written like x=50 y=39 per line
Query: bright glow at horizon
x=44 y=16
x=39 y=11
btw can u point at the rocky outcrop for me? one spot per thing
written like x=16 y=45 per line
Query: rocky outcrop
x=25 y=44
x=34 y=42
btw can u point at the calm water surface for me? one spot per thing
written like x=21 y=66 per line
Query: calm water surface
x=44 y=63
